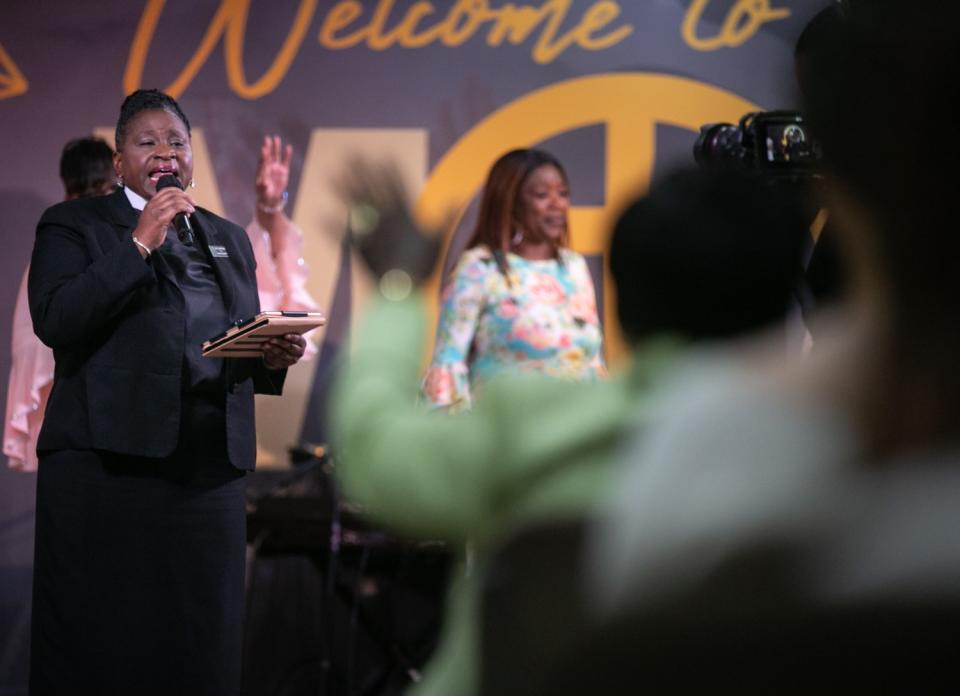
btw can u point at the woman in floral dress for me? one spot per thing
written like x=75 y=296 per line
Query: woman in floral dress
x=519 y=300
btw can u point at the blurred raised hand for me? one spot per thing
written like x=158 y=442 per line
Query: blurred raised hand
x=381 y=225
x=273 y=174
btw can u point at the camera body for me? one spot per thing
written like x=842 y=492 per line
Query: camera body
x=773 y=143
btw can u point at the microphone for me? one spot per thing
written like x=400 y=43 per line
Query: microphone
x=181 y=223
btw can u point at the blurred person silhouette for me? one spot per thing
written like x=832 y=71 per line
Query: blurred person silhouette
x=86 y=169
x=826 y=273
x=519 y=300
x=795 y=523
x=537 y=448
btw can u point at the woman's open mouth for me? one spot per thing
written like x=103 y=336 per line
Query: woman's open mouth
x=165 y=170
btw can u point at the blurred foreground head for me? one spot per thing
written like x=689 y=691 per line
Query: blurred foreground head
x=881 y=97
x=879 y=92
x=705 y=256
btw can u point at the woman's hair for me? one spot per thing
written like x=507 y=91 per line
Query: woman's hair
x=146 y=100
x=500 y=205
x=86 y=167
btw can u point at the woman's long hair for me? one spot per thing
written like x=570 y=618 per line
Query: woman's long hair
x=499 y=214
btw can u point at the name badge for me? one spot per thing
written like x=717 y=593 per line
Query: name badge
x=219 y=252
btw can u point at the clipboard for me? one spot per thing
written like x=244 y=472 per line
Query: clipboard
x=246 y=338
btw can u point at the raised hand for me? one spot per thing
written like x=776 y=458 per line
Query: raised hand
x=382 y=229
x=273 y=174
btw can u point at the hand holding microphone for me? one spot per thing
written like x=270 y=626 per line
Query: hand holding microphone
x=181 y=223
x=169 y=206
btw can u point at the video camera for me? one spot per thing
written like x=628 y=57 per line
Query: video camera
x=773 y=143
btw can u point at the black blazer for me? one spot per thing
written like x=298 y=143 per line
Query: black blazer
x=118 y=341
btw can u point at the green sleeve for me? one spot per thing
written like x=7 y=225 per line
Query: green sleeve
x=531 y=446
x=422 y=473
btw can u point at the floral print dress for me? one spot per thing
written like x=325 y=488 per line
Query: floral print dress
x=543 y=320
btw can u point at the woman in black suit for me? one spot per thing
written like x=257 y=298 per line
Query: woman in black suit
x=138 y=575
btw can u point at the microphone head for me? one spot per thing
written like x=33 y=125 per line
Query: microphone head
x=168 y=180
x=180 y=221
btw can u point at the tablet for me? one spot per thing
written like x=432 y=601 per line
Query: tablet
x=246 y=338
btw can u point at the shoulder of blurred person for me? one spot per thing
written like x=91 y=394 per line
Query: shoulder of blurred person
x=722 y=420
x=751 y=463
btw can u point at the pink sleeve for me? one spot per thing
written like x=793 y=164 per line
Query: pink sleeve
x=292 y=270
x=281 y=271
x=31 y=377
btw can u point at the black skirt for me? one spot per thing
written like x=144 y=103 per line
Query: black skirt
x=138 y=575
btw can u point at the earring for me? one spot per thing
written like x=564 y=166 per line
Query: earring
x=193 y=183
x=120 y=180
x=517 y=237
